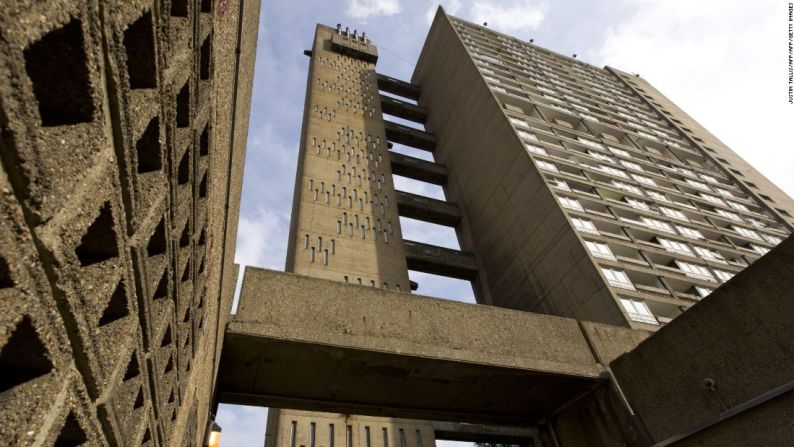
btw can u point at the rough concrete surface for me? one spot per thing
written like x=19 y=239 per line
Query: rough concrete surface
x=113 y=185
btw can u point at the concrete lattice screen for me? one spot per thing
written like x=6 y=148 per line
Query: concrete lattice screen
x=108 y=312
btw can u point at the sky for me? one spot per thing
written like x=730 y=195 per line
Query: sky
x=723 y=62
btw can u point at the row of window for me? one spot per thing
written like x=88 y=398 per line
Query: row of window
x=669 y=212
x=331 y=432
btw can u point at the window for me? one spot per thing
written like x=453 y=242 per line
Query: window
x=492 y=80
x=571 y=203
x=619 y=152
x=698 y=185
x=675 y=246
x=617 y=278
x=746 y=232
x=631 y=165
x=710 y=255
x=519 y=122
x=499 y=89
x=658 y=224
x=690 y=232
x=774 y=240
x=675 y=214
x=561 y=184
x=613 y=171
x=702 y=291
x=584 y=225
x=723 y=276
x=590 y=143
x=535 y=149
x=639 y=204
x=600 y=250
x=527 y=136
x=657 y=195
x=638 y=311
x=547 y=166
x=728 y=214
x=711 y=199
x=724 y=192
x=758 y=249
x=600 y=156
x=738 y=206
x=694 y=270
x=643 y=180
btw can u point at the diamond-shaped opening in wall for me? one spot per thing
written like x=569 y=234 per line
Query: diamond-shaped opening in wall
x=72 y=434
x=170 y=365
x=183 y=106
x=183 y=172
x=148 y=148
x=202 y=237
x=204 y=141
x=117 y=307
x=167 y=339
x=205 y=55
x=133 y=368
x=57 y=65
x=99 y=242
x=162 y=287
x=202 y=192
x=184 y=238
x=141 y=55
x=6 y=280
x=206 y=5
x=24 y=357
x=179 y=8
x=186 y=272
x=138 y=399
x=157 y=242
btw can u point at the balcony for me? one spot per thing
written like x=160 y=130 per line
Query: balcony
x=418 y=169
x=403 y=109
x=439 y=261
x=408 y=136
x=398 y=87
x=427 y=209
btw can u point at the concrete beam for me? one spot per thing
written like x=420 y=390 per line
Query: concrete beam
x=418 y=169
x=300 y=342
x=403 y=109
x=496 y=434
x=427 y=209
x=409 y=136
x=398 y=87
x=439 y=260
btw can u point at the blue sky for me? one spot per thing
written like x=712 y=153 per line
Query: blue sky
x=724 y=62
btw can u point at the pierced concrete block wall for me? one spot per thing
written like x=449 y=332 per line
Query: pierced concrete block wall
x=108 y=310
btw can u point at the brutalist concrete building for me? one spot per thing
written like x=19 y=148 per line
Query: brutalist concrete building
x=575 y=191
x=123 y=137
x=618 y=251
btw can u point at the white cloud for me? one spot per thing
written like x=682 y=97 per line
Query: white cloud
x=721 y=62
x=451 y=7
x=364 y=9
x=242 y=425
x=262 y=239
x=509 y=17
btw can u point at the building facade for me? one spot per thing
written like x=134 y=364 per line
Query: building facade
x=575 y=191
x=583 y=191
x=124 y=126
x=345 y=225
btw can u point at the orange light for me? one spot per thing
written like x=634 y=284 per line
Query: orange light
x=214 y=435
